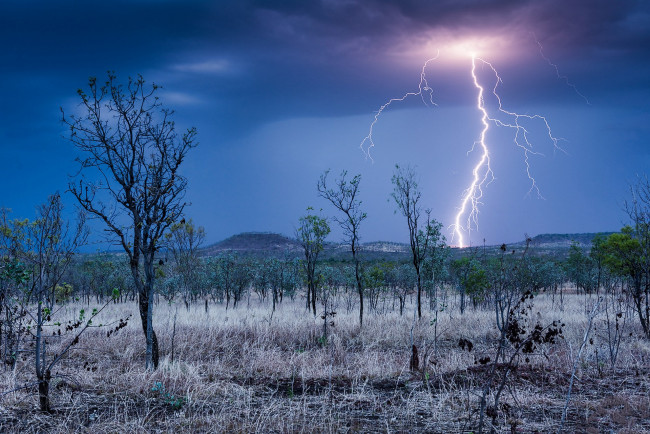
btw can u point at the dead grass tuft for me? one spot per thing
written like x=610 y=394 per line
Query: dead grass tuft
x=241 y=371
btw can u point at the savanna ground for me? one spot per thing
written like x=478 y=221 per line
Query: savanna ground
x=245 y=370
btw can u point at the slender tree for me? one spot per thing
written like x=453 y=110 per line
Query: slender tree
x=130 y=155
x=638 y=209
x=344 y=198
x=311 y=234
x=183 y=241
x=407 y=195
x=14 y=277
x=51 y=244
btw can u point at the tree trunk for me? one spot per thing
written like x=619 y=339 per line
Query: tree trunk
x=360 y=291
x=308 y=305
x=152 y=346
x=42 y=374
x=462 y=301
x=646 y=321
x=145 y=304
x=638 y=302
x=44 y=391
x=419 y=294
x=275 y=298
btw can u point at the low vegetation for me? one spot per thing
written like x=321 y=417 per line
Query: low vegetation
x=248 y=370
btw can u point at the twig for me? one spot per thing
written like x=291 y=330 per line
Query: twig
x=26 y=386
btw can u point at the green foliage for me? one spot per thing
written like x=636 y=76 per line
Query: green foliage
x=375 y=276
x=622 y=253
x=15 y=271
x=580 y=269
x=63 y=292
x=472 y=277
x=311 y=234
x=175 y=402
x=312 y=231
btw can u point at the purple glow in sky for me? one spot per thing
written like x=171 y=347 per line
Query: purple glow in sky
x=281 y=91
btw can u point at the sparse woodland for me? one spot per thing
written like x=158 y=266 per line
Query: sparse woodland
x=161 y=336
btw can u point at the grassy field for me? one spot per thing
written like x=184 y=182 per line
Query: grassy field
x=246 y=370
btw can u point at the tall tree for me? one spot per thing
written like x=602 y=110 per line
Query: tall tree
x=344 y=198
x=597 y=255
x=407 y=195
x=311 y=234
x=434 y=265
x=183 y=241
x=581 y=269
x=625 y=256
x=638 y=210
x=223 y=270
x=129 y=176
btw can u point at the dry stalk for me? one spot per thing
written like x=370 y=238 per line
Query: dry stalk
x=592 y=315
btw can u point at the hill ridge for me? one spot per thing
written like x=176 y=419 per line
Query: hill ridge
x=258 y=242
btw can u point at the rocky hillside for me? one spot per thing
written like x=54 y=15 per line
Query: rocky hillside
x=254 y=243
x=272 y=244
x=562 y=241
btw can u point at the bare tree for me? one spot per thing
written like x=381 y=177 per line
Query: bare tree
x=50 y=247
x=344 y=198
x=129 y=176
x=14 y=277
x=407 y=198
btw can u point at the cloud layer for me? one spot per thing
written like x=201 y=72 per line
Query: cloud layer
x=238 y=68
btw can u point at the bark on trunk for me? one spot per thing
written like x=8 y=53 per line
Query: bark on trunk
x=313 y=298
x=44 y=391
x=143 y=305
x=359 y=287
x=417 y=270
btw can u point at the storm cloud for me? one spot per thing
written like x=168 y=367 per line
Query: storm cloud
x=257 y=78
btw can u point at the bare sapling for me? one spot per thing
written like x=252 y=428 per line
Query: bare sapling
x=592 y=315
x=344 y=198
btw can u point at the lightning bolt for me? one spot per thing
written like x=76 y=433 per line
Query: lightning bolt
x=423 y=88
x=564 y=78
x=482 y=174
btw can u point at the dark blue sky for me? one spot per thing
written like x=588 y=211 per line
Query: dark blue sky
x=281 y=91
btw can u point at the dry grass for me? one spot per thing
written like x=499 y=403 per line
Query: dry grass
x=245 y=371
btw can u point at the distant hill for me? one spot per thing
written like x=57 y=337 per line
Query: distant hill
x=254 y=243
x=371 y=251
x=564 y=240
x=273 y=244
x=386 y=247
x=557 y=244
